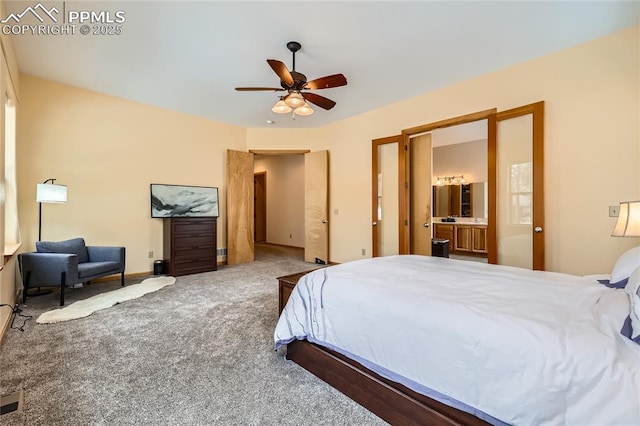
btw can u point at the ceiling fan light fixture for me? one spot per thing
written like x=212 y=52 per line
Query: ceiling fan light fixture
x=304 y=110
x=281 y=107
x=295 y=100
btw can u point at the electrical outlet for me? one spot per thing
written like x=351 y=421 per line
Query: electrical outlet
x=150 y=254
x=364 y=252
x=290 y=235
x=614 y=211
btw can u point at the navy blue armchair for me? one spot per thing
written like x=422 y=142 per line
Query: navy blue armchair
x=65 y=263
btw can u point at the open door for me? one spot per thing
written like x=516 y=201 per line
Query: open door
x=516 y=187
x=240 y=207
x=420 y=198
x=316 y=203
x=260 y=207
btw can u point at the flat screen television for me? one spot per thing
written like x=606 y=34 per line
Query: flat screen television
x=183 y=201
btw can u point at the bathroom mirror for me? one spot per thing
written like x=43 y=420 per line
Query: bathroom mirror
x=468 y=200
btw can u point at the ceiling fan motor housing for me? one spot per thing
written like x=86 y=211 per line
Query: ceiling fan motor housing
x=299 y=80
x=295 y=82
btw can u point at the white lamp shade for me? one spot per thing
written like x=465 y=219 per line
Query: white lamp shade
x=51 y=193
x=281 y=108
x=304 y=110
x=295 y=100
x=628 y=224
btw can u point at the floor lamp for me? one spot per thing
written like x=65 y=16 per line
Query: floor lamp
x=47 y=193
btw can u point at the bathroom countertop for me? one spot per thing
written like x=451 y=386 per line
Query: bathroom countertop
x=459 y=221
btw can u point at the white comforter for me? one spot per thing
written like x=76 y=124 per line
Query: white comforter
x=524 y=347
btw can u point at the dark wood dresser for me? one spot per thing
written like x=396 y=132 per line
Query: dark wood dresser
x=190 y=245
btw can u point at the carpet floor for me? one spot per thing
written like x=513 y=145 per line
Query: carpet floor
x=198 y=352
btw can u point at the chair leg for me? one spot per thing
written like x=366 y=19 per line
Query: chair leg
x=62 y=285
x=26 y=287
x=122 y=279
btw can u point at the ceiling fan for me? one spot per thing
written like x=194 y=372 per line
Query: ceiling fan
x=296 y=85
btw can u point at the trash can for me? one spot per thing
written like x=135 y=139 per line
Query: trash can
x=158 y=267
x=440 y=247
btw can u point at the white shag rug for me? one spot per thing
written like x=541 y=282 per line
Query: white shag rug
x=84 y=308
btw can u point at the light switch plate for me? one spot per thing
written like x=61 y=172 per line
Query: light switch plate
x=614 y=211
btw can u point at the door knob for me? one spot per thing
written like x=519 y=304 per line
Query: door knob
x=325 y=221
x=426 y=225
x=537 y=229
x=374 y=223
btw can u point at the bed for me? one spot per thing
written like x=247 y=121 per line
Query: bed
x=430 y=339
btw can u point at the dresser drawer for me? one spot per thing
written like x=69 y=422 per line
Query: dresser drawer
x=193 y=227
x=193 y=242
x=195 y=253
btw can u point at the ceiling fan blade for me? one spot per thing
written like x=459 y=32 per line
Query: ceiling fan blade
x=255 y=89
x=282 y=71
x=321 y=101
x=335 y=80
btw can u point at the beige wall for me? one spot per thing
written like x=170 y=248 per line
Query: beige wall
x=592 y=140
x=285 y=197
x=468 y=159
x=107 y=151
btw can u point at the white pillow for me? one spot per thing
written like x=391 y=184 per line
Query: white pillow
x=625 y=265
x=633 y=290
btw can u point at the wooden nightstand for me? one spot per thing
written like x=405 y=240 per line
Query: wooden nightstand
x=286 y=284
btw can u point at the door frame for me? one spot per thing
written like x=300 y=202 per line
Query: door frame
x=375 y=144
x=537 y=111
x=405 y=188
x=230 y=236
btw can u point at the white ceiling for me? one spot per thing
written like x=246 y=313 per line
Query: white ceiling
x=188 y=56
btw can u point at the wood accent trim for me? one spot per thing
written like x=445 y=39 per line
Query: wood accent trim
x=282 y=245
x=537 y=111
x=116 y=277
x=467 y=118
x=279 y=151
x=375 y=144
x=538 y=186
x=492 y=187
x=391 y=401
x=404 y=194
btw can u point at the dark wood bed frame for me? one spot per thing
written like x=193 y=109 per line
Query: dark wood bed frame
x=389 y=400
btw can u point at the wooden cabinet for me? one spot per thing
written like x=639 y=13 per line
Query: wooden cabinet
x=190 y=245
x=479 y=239
x=444 y=231
x=285 y=287
x=463 y=238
